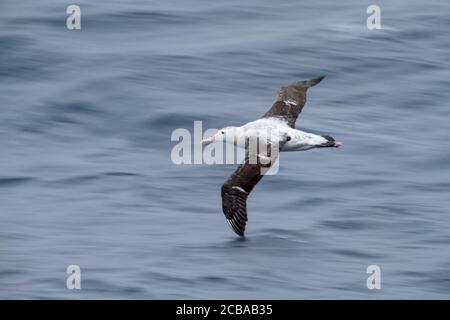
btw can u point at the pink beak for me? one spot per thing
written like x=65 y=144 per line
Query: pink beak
x=209 y=140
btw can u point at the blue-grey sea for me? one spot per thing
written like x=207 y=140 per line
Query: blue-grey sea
x=86 y=176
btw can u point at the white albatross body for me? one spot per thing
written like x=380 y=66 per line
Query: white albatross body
x=275 y=128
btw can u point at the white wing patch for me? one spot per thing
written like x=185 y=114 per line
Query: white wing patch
x=239 y=188
x=290 y=102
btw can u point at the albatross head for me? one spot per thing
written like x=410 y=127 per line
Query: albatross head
x=227 y=134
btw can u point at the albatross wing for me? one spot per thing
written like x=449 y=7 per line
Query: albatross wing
x=236 y=189
x=290 y=101
x=235 y=192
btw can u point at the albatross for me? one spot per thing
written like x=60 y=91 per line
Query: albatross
x=275 y=129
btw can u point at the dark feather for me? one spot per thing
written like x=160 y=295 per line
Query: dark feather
x=291 y=100
x=236 y=189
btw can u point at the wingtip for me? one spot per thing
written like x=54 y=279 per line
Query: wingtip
x=309 y=83
x=315 y=80
x=239 y=232
x=235 y=228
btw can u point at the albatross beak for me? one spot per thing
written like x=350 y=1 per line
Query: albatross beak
x=209 y=140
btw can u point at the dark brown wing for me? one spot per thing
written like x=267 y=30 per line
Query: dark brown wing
x=290 y=101
x=234 y=195
x=239 y=185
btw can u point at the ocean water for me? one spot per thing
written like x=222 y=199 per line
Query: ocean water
x=86 y=176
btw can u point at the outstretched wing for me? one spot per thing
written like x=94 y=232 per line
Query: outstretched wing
x=290 y=101
x=236 y=189
x=235 y=192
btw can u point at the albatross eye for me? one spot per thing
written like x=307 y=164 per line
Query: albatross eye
x=222 y=132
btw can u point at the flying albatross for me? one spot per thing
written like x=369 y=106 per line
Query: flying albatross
x=276 y=131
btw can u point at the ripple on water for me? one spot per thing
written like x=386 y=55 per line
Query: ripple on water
x=7 y=182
